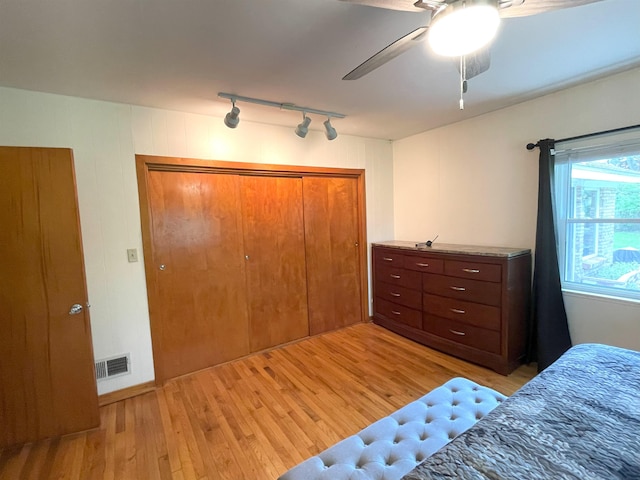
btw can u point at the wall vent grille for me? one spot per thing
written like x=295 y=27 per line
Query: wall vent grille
x=113 y=367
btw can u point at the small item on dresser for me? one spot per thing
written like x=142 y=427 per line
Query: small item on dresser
x=428 y=243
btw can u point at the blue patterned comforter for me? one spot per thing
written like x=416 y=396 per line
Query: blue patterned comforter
x=579 y=419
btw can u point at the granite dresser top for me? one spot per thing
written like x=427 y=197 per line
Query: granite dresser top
x=451 y=248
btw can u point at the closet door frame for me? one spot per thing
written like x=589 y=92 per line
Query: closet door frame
x=148 y=163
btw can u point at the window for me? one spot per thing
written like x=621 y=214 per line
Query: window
x=597 y=211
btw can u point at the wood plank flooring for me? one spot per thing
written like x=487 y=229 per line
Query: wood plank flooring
x=256 y=417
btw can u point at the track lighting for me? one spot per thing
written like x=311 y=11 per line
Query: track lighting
x=232 y=118
x=303 y=127
x=330 y=132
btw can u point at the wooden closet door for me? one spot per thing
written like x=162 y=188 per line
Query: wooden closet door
x=333 y=269
x=198 y=313
x=47 y=380
x=275 y=259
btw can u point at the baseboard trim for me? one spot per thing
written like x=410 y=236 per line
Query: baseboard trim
x=125 y=393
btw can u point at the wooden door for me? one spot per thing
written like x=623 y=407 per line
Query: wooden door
x=275 y=259
x=198 y=308
x=332 y=252
x=47 y=381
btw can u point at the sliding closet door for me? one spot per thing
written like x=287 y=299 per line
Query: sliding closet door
x=198 y=312
x=332 y=252
x=275 y=259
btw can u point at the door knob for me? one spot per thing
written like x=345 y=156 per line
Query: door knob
x=162 y=267
x=76 y=308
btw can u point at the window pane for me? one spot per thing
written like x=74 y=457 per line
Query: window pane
x=606 y=189
x=604 y=255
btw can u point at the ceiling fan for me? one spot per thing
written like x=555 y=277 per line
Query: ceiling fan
x=450 y=38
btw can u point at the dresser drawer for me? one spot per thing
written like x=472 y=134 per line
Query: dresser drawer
x=484 y=316
x=480 y=338
x=424 y=264
x=396 y=294
x=489 y=272
x=399 y=276
x=388 y=257
x=488 y=293
x=398 y=313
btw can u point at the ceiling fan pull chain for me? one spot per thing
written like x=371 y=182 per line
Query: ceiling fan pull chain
x=463 y=80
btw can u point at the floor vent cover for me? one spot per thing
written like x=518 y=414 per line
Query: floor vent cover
x=113 y=367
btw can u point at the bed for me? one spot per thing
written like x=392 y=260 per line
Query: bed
x=578 y=419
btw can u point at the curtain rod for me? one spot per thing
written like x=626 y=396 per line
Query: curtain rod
x=531 y=146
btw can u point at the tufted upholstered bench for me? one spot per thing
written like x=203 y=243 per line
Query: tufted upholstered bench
x=394 y=445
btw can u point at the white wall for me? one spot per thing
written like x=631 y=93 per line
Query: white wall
x=105 y=138
x=474 y=182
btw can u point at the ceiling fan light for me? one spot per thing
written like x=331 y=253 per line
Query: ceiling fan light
x=463 y=28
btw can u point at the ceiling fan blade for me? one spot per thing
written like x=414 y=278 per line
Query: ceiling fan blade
x=476 y=63
x=388 y=53
x=402 y=5
x=520 y=8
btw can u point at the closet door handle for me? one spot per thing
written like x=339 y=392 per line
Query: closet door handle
x=457 y=310
x=458 y=289
x=471 y=270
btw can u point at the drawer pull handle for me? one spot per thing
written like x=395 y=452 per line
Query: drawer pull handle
x=457 y=310
x=471 y=270
x=394 y=276
x=387 y=259
x=422 y=264
x=395 y=313
x=394 y=294
x=455 y=332
x=458 y=289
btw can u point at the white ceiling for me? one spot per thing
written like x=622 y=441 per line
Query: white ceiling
x=178 y=54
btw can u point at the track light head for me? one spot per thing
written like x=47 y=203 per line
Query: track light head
x=303 y=127
x=232 y=118
x=330 y=132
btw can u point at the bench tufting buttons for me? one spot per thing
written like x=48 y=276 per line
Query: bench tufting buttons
x=438 y=416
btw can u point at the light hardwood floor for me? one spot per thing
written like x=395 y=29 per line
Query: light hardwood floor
x=256 y=417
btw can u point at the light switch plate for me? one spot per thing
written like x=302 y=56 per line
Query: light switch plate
x=132 y=255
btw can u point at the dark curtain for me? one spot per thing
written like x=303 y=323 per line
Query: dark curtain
x=549 y=333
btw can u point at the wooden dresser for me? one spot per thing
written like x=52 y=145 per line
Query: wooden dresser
x=468 y=301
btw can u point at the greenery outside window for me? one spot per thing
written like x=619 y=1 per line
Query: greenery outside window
x=597 y=212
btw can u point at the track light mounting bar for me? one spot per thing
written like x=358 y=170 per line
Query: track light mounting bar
x=281 y=106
